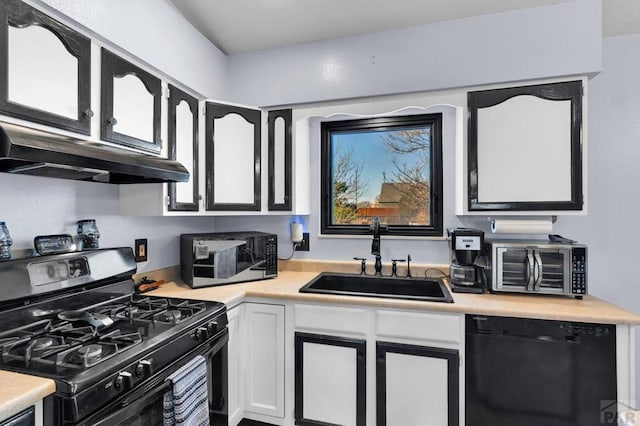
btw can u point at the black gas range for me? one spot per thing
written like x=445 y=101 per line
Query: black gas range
x=74 y=318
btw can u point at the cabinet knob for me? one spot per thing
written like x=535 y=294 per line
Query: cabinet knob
x=88 y=113
x=199 y=197
x=112 y=121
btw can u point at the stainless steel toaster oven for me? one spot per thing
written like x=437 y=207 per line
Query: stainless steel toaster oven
x=538 y=267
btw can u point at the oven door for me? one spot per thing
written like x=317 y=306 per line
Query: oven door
x=143 y=404
x=532 y=269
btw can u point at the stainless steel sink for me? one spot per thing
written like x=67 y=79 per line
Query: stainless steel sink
x=424 y=289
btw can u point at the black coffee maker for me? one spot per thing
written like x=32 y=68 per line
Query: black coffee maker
x=465 y=275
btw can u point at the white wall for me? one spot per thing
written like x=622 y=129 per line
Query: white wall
x=610 y=228
x=155 y=32
x=33 y=206
x=614 y=172
x=556 y=40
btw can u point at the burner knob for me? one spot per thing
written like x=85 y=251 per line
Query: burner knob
x=123 y=381
x=144 y=368
x=212 y=327
x=202 y=333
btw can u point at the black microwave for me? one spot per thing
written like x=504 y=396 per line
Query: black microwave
x=227 y=257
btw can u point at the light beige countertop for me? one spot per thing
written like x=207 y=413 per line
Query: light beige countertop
x=19 y=391
x=285 y=287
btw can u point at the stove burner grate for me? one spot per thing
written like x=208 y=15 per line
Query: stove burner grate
x=42 y=343
x=172 y=316
x=91 y=351
x=34 y=350
x=62 y=343
x=86 y=356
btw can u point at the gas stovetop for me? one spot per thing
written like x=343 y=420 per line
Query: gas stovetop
x=87 y=327
x=52 y=346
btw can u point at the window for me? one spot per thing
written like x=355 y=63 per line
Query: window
x=385 y=167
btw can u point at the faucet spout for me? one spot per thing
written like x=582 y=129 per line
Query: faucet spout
x=375 y=246
x=375 y=229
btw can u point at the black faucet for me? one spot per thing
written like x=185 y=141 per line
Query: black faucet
x=394 y=266
x=363 y=265
x=376 y=228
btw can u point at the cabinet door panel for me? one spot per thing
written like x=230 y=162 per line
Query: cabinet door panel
x=280 y=151
x=48 y=69
x=416 y=385
x=525 y=148
x=498 y=156
x=330 y=380
x=409 y=400
x=183 y=146
x=130 y=104
x=265 y=366
x=233 y=157
x=25 y=72
x=132 y=108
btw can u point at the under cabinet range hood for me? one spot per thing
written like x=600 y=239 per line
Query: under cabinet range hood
x=39 y=153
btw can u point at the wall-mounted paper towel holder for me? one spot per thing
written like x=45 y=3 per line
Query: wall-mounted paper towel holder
x=523 y=226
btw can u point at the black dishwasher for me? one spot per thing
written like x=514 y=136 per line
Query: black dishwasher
x=529 y=372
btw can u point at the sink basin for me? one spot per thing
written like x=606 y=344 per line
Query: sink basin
x=424 y=289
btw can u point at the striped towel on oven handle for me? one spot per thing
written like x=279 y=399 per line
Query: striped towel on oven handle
x=186 y=403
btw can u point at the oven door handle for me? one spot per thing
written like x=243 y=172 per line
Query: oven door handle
x=538 y=270
x=529 y=269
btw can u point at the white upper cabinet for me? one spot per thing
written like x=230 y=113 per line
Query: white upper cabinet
x=48 y=69
x=525 y=149
x=130 y=110
x=183 y=147
x=280 y=150
x=224 y=147
x=233 y=157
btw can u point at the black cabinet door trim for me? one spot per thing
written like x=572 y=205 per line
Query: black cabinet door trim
x=17 y=14
x=361 y=349
x=115 y=66
x=176 y=96
x=563 y=91
x=453 y=378
x=286 y=115
x=214 y=111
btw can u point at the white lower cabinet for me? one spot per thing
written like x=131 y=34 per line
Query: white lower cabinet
x=262 y=356
x=330 y=380
x=365 y=367
x=416 y=385
x=235 y=382
x=31 y=416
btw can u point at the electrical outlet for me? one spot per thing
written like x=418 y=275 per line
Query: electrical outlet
x=304 y=245
x=140 y=250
